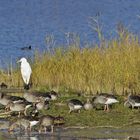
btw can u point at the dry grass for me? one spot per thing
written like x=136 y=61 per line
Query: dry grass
x=111 y=66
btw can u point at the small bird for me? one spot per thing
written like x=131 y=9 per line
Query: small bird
x=27 y=48
x=75 y=104
x=3 y=86
x=25 y=72
x=105 y=99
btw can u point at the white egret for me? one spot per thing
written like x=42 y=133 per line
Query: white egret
x=25 y=71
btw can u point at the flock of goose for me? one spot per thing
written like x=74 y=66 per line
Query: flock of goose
x=38 y=101
x=27 y=118
x=105 y=99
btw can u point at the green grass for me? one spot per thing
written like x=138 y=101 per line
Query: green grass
x=119 y=116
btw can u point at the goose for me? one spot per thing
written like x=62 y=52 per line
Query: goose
x=46 y=95
x=30 y=97
x=59 y=120
x=25 y=122
x=88 y=105
x=75 y=104
x=21 y=122
x=36 y=97
x=133 y=101
x=46 y=121
x=17 y=99
x=54 y=95
x=6 y=99
x=42 y=104
x=18 y=107
x=33 y=121
x=105 y=99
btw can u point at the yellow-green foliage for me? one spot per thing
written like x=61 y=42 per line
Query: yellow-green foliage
x=114 y=64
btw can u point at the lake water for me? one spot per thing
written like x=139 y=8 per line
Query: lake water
x=76 y=134
x=28 y=22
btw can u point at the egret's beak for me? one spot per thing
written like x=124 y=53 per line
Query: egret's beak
x=18 y=61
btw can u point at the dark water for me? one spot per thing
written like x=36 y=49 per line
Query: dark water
x=28 y=22
x=76 y=134
x=67 y=133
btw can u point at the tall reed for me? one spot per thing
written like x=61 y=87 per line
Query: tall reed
x=111 y=66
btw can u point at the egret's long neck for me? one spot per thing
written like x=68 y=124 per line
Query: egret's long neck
x=23 y=64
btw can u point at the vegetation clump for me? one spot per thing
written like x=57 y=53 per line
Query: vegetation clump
x=110 y=66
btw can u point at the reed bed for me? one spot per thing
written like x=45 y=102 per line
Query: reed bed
x=112 y=66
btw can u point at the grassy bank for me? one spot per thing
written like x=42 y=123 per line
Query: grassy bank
x=119 y=116
x=111 y=66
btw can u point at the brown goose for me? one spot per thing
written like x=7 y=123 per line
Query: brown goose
x=75 y=104
x=88 y=105
x=26 y=123
x=133 y=101
x=54 y=95
x=105 y=99
x=35 y=97
x=20 y=123
x=6 y=99
x=46 y=121
x=42 y=104
x=18 y=107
